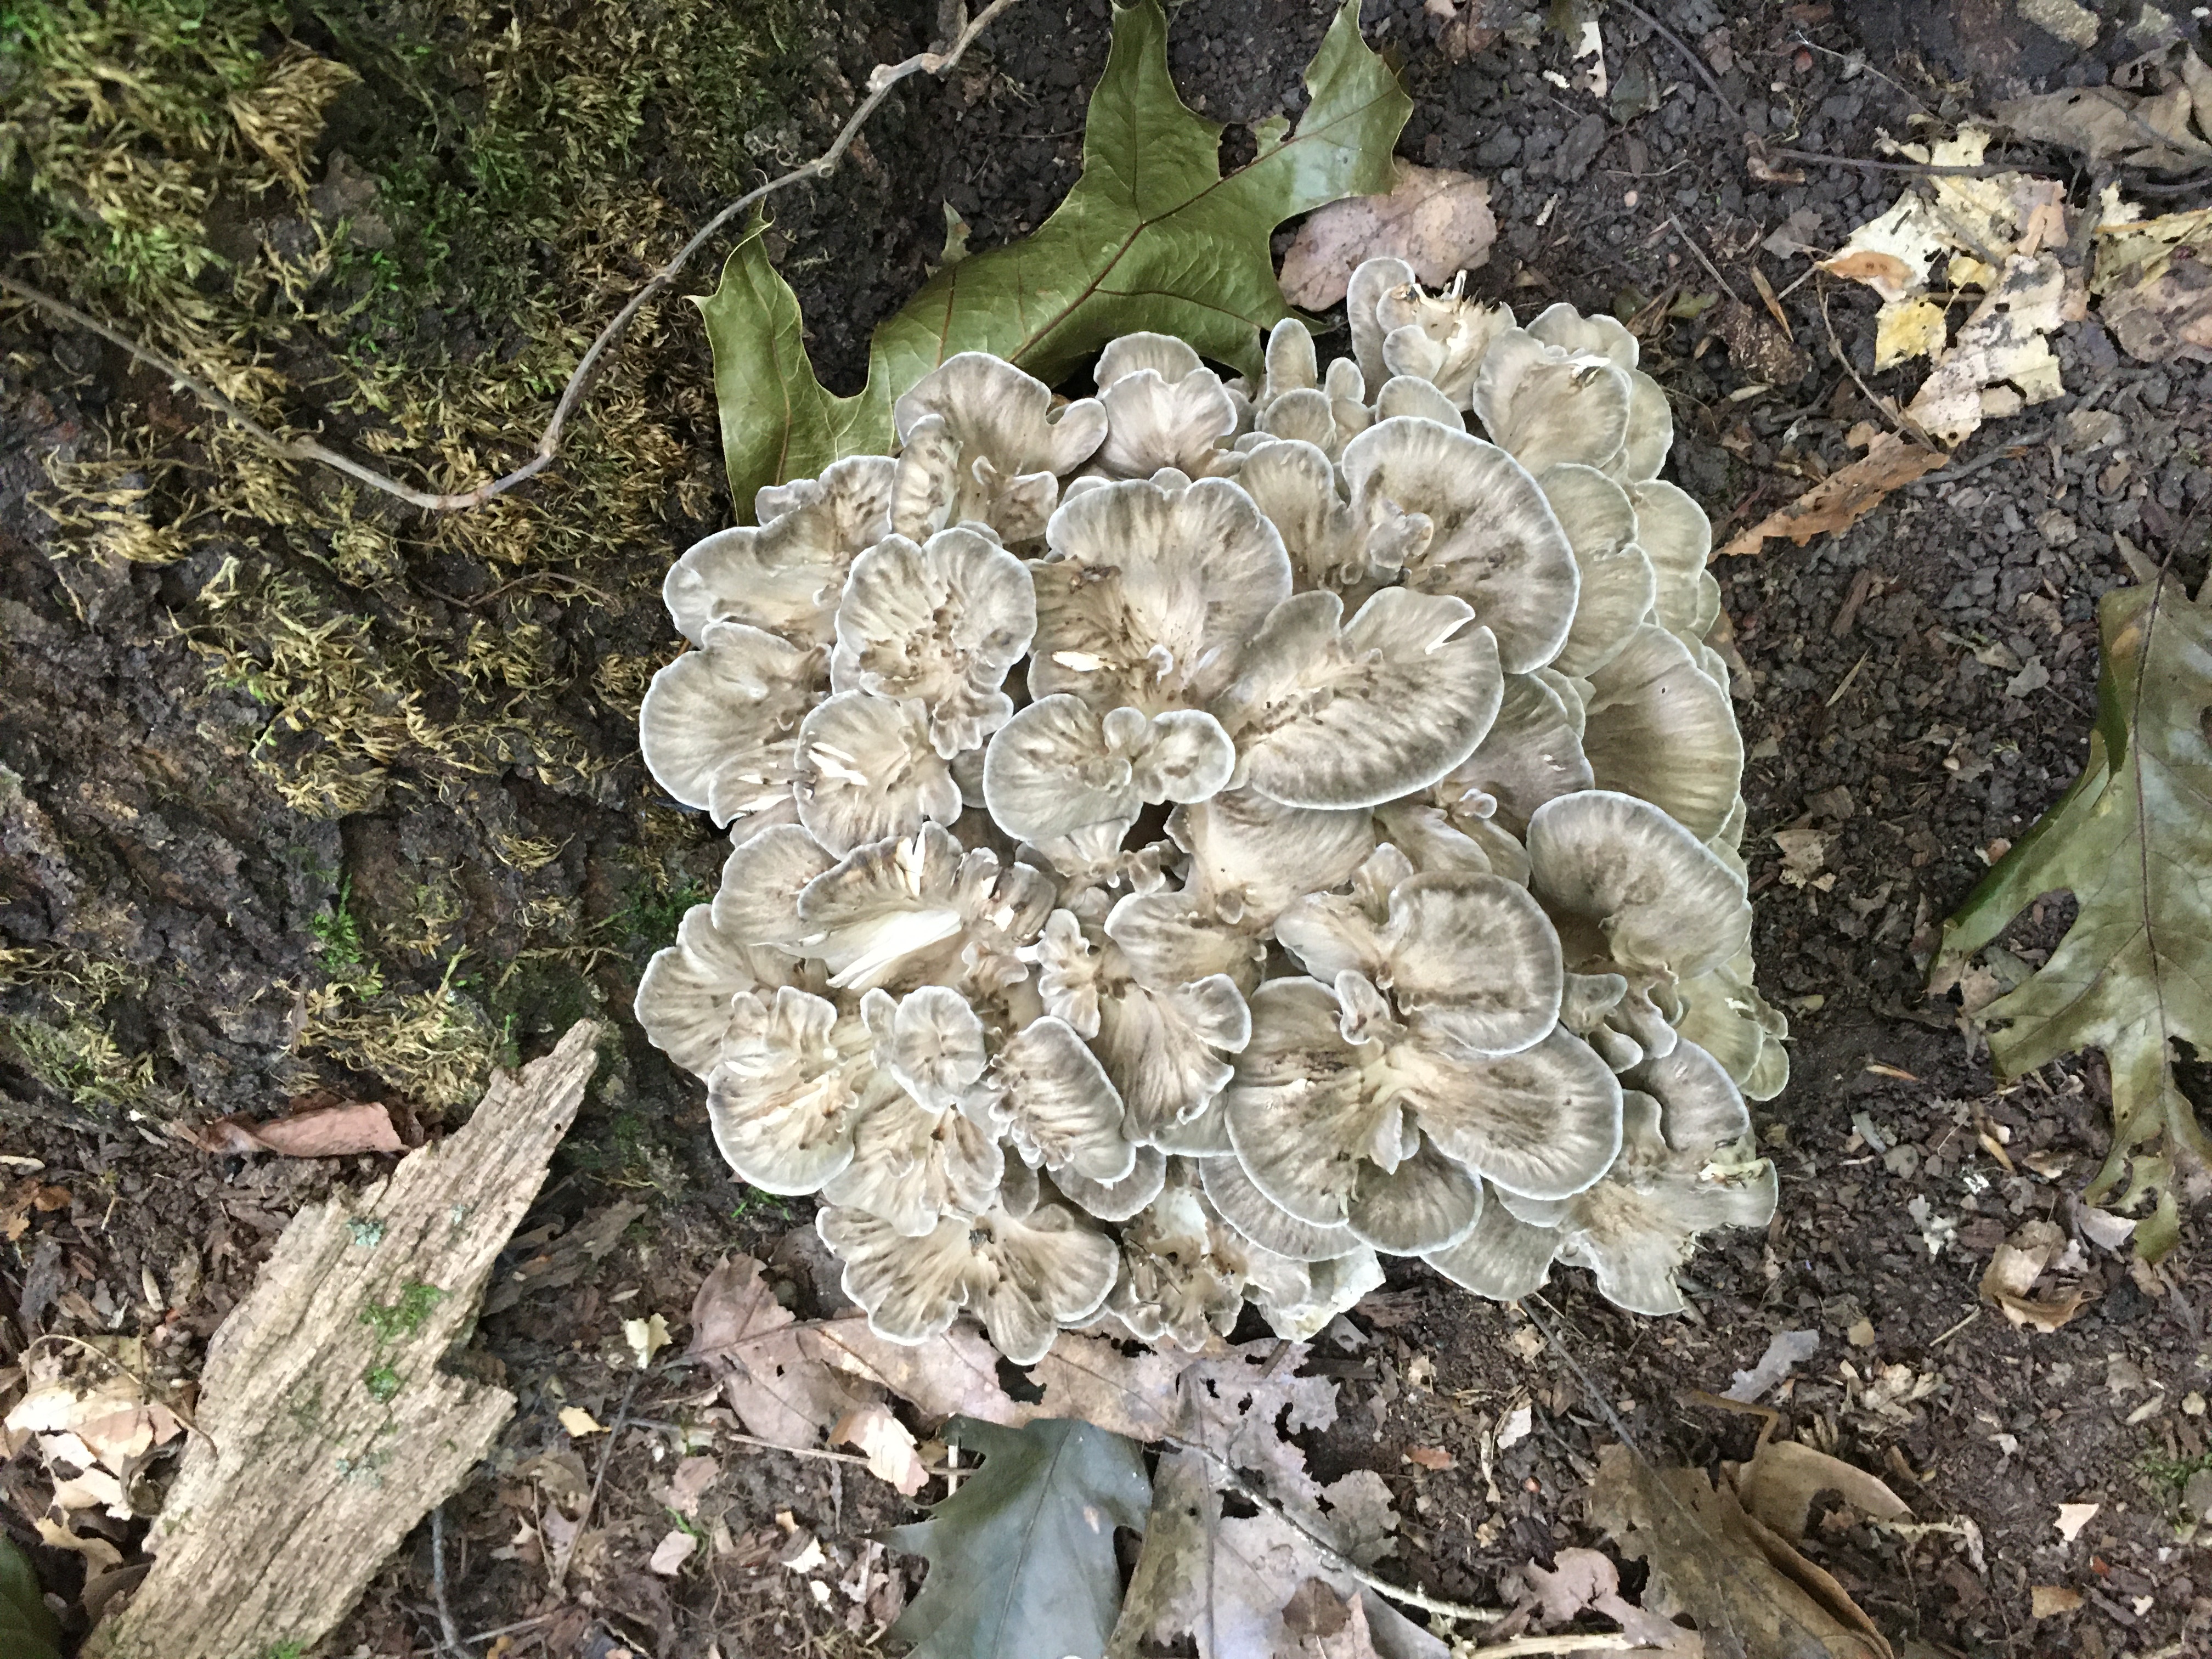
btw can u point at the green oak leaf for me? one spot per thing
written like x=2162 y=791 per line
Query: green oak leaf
x=1021 y=1558
x=2132 y=840
x=1152 y=236
x=28 y=1630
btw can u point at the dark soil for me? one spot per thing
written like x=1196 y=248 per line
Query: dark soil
x=159 y=897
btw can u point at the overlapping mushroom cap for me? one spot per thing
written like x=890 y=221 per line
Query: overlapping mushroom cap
x=1191 y=842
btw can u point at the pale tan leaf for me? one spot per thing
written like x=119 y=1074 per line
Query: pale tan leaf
x=1436 y=221
x=888 y=1444
x=360 y=1125
x=672 y=1551
x=1844 y=496
x=1779 y=1484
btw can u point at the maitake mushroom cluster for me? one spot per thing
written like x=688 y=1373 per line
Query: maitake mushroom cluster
x=1192 y=839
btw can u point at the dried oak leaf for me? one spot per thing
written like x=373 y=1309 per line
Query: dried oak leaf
x=1844 y=496
x=1437 y=220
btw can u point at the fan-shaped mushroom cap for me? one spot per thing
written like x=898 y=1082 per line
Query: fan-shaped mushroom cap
x=912 y=910
x=1174 y=1287
x=1634 y=1229
x=1505 y=1258
x=866 y=769
x=1250 y=856
x=758 y=899
x=1543 y=1122
x=1442 y=337
x=1007 y=434
x=1471 y=957
x=1593 y=336
x=1723 y=1014
x=1701 y=1108
x=1411 y=396
x=1150 y=592
x=1052 y=1098
x=1331 y=543
x=1363 y=297
x=1262 y=1220
x=1306 y=417
x=1338 y=715
x=1430 y=842
x=912 y=1165
x=1164 y=355
x=930 y=1041
x=1531 y=753
x=1023 y=1277
x=1117 y=1200
x=1290 y=364
x=1546 y=405
x=1332 y=1287
x=1172 y=938
x=684 y=997
x=1618 y=585
x=1164 y=1048
x=792 y=1076
x=1628 y=887
x=1658 y=727
x=1494 y=541
x=1677 y=537
x=718 y=726
x=941 y=623
x=1069 y=968
x=1062 y=765
x=1321 y=1125
x=1154 y=421
x=1650 y=429
x=784 y=577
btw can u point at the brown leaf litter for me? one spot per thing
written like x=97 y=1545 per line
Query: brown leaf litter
x=1844 y=496
x=340 y=1131
x=1436 y=221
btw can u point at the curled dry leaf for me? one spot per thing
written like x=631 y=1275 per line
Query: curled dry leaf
x=359 y=1126
x=672 y=1551
x=2014 y=1269
x=1844 y=496
x=1437 y=220
x=887 y=1442
x=1587 y=1579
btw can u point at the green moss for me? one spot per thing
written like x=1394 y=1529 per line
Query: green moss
x=382 y=1383
x=81 y=1061
x=404 y=1317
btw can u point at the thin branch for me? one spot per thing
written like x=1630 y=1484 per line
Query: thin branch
x=1568 y=1642
x=445 y=1625
x=606 y=1460
x=1682 y=46
x=1711 y=269
x=1887 y=409
x=1927 y=169
x=880 y=82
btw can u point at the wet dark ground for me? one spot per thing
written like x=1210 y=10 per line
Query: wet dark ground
x=1868 y=716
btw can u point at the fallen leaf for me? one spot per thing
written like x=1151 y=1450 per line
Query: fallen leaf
x=1757 y=347
x=1913 y=327
x=361 y=1126
x=2103 y=1229
x=887 y=1443
x=2130 y=841
x=1436 y=221
x=1844 y=496
x=1517 y=1427
x=1582 y=1579
x=1430 y=1457
x=672 y=1551
x=2072 y=1518
x=646 y=1337
x=98 y=1555
x=1783 y=1477
x=1735 y=1577
x=2049 y=1601
x=1804 y=854
x=781 y=1387
x=689 y=1483
x=2109 y=125
x=1785 y=1351
x=578 y=1422
x=2002 y=349
x=1322 y=1625
x=1861 y=1335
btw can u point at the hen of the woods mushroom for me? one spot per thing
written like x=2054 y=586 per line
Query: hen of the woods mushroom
x=1192 y=839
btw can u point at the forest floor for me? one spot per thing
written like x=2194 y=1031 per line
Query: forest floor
x=303 y=793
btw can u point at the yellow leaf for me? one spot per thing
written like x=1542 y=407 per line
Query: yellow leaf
x=580 y=1422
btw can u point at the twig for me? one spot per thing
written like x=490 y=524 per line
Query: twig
x=1566 y=1642
x=1711 y=268
x=796 y=1452
x=509 y=1630
x=2008 y=451
x=880 y=82
x=1683 y=47
x=445 y=1625
x=1899 y=418
x=599 y=1480
x=1986 y=170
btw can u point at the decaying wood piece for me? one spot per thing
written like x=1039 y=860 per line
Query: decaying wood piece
x=326 y=1429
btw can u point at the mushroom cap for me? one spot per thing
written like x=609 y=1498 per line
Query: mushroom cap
x=912 y=1165
x=1336 y=715
x=1593 y=336
x=1163 y=353
x=718 y=726
x=1411 y=396
x=1165 y=1048
x=792 y=1076
x=1659 y=727
x=1250 y=856
x=1174 y=1287
x=1262 y=1220
x=941 y=622
x=1023 y=1277
x=1471 y=957
x=1320 y=1125
x=1062 y=765
x=1057 y=1103
x=1650 y=429
x=1505 y=1258
x=910 y=908
x=1150 y=593
x=1332 y=1287
x=1630 y=888
x=785 y=577
x=866 y=770
x=758 y=898
x=1701 y=1108
x=1115 y=1200
x=1546 y=405
x=1541 y=1123
x=930 y=1041
x=1618 y=585
x=1294 y=484
x=1677 y=537
x=1531 y=753
x=1002 y=415
x=1154 y=421
x=1363 y=297
x=1494 y=541
x=1290 y=363
x=1171 y=938
x=1441 y=337
x=684 y=997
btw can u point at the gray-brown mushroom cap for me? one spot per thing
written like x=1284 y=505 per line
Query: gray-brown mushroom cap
x=784 y=577
x=1630 y=888
x=1505 y=1258
x=684 y=997
x=1546 y=405
x=1494 y=541
x=866 y=769
x=1618 y=585
x=793 y=1076
x=1007 y=434
x=1062 y=765
x=1250 y=856
x=719 y=726
x=1657 y=726
x=1531 y=753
